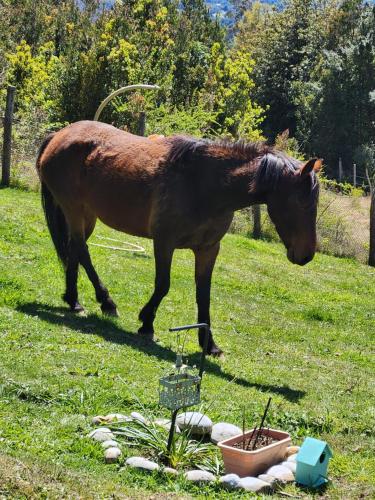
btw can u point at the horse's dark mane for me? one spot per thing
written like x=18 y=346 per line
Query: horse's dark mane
x=273 y=163
x=273 y=166
x=184 y=147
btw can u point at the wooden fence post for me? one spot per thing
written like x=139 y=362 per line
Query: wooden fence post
x=257 y=229
x=340 y=170
x=7 y=140
x=371 y=257
x=142 y=123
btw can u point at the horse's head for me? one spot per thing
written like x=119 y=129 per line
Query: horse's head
x=292 y=207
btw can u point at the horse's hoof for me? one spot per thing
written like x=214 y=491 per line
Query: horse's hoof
x=146 y=331
x=216 y=352
x=220 y=355
x=109 y=311
x=77 y=309
x=112 y=313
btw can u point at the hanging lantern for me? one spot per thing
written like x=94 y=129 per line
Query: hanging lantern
x=181 y=388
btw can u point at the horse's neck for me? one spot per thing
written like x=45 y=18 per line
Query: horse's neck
x=239 y=190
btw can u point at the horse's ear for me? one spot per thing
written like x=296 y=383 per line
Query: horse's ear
x=315 y=164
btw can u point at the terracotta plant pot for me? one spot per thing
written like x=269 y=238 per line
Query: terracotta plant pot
x=252 y=463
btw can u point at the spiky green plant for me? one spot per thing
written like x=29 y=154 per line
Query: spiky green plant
x=184 y=452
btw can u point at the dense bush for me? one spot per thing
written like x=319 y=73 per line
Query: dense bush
x=314 y=73
x=69 y=63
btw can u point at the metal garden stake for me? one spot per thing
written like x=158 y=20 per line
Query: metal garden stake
x=180 y=388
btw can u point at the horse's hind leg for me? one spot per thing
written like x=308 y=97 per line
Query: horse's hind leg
x=71 y=275
x=101 y=292
x=74 y=230
x=80 y=228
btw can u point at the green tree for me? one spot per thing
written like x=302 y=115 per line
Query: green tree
x=344 y=107
x=33 y=76
x=314 y=73
x=72 y=55
x=285 y=45
x=194 y=35
x=227 y=93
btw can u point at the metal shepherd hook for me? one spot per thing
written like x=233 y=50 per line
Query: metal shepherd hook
x=121 y=91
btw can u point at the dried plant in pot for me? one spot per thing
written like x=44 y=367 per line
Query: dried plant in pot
x=253 y=452
x=245 y=461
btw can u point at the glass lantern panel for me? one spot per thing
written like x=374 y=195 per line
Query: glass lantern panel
x=179 y=391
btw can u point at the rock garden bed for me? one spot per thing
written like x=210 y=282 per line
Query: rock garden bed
x=194 y=453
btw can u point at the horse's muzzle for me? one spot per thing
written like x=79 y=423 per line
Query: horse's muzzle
x=299 y=260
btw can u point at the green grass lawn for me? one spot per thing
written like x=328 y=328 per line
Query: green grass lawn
x=305 y=336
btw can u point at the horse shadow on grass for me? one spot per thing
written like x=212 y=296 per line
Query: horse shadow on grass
x=93 y=324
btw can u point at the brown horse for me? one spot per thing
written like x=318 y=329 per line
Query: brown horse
x=179 y=191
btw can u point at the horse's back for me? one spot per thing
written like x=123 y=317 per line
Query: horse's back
x=96 y=138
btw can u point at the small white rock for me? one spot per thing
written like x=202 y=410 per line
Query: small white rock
x=222 y=430
x=110 y=444
x=199 y=476
x=117 y=417
x=102 y=434
x=281 y=473
x=97 y=420
x=142 y=463
x=111 y=455
x=166 y=424
x=170 y=471
x=291 y=450
x=268 y=479
x=254 y=484
x=137 y=416
x=292 y=466
x=230 y=481
x=99 y=429
x=197 y=423
x=292 y=458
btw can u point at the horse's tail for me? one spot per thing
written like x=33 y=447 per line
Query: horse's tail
x=56 y=223
x=42 y=148
x=55 y=217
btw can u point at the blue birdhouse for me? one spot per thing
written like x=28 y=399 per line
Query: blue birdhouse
x=312 y=463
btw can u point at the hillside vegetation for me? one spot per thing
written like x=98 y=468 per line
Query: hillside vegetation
x=298 y=65
x=304 y=336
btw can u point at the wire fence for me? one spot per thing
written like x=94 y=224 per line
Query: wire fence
x=351 y=176
x=343 y=224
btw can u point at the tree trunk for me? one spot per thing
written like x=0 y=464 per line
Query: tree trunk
x=371 y=259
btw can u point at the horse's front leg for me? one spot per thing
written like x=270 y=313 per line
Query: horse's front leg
x=163 y=253
x=204 y=264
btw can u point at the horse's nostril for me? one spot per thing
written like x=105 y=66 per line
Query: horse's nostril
x=306 y=260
